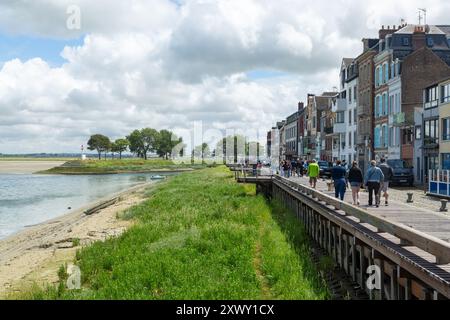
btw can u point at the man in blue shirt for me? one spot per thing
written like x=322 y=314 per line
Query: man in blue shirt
x=339 y=176
x=373 y=181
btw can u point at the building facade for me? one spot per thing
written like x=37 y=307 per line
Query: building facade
x=365 y=105
x=291 y=136
x=344 y=106
x=444 y=122
x=301 y=130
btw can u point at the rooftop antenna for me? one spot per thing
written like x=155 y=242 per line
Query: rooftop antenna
x=424 y=11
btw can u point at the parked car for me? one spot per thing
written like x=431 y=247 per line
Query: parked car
x=325 y=168
x=403 y=173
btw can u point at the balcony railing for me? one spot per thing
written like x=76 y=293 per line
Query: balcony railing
x=339 y=105
x=339 y=128
x=328 y=130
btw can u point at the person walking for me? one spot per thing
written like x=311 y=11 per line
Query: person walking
x=313 y=173
x=338 y=174
x=356 y=179
x=259 y=168
x=373 y=180
x=388 y=174
x=294 y=168
x=288 y=169
x=301 y=166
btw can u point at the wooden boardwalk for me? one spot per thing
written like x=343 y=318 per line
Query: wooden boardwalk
x=429 y=222
x=409 y=245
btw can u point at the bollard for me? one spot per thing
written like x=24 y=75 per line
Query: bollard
x=330 y=186
x=443 y=206
x=410 y=197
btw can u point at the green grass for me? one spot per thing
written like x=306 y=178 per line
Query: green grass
x=120 y=166
x=199 y=236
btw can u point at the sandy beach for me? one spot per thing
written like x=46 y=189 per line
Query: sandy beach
x=26 y=167
x=34 y=255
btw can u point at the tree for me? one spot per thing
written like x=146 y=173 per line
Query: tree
x=143 y=141
x=202 y=151
x=120 y=146
x=100 y=143
x=237 y=146
x=166 y=143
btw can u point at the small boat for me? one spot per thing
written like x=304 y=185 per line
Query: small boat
x=158 y=177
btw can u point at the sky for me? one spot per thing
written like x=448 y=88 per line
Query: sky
x=236 y=65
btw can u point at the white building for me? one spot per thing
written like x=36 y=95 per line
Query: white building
x=345 y=107
x=396 y=117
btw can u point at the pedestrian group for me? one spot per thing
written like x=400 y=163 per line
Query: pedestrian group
x=375 y=180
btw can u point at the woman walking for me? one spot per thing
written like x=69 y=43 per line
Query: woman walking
x=338 y=173
x=373 y=180
x=356 y=179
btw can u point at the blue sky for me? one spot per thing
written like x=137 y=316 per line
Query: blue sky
x=27 y=47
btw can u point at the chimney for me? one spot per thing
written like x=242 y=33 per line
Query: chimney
x=418 y=38
x=301 y=105
x=365 y=44
x=385 y=31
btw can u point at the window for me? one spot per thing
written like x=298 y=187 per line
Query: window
x=392 y=70
x=446 y=129
x=386 y=72
x=445 y=93
x=430 y=42
x=405 y=41
x=377 y=78
x=385 y=104
x=407 y=136
x=355 y=118
x=377 y=106
x=445 y=161
x=433 y=162
x=418 y=134
x=431 y=132
x=431 y=97
x=377 y=137
x=398 y=103
x=391 y=104
x=391 y=136
x=340 y=117
x=350 y=117
x=355 y=93
x=385 y=136
x=349 y=139
x=380 y=76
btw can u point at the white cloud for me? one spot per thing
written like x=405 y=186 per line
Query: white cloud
x=162 y=64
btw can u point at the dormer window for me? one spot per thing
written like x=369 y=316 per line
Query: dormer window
x=405 y=41
x=430 y=42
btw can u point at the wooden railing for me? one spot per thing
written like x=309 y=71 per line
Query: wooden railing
x=435 y=246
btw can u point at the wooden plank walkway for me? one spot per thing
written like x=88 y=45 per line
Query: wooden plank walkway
x=423 y=220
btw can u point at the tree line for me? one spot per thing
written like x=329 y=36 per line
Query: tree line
x=139 y=142
x=165 y=143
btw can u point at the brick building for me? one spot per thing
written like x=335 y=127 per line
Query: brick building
x=420 y=69
x=365 y=106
